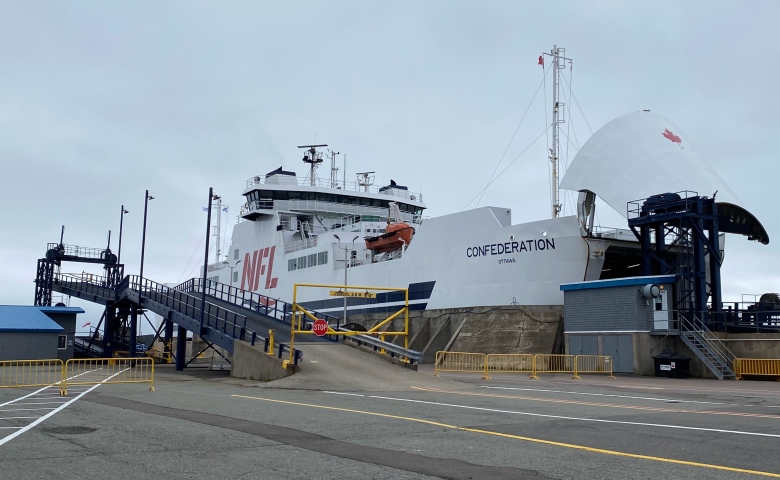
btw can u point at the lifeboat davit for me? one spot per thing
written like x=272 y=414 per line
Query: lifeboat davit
x=395 y=237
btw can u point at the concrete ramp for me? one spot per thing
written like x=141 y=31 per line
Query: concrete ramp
x=341 y=367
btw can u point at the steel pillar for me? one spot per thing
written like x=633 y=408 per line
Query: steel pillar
x=181 y=348
x=133 y=329
x=109 y=331
x=167 y=337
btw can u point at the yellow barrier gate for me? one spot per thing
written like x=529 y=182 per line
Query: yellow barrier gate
x=552 y=363
x=757 y=366
x=508 y=363
x=95 y=371
x=30 y=373
x=460 y=362
x=299 y=312
x=592 y=364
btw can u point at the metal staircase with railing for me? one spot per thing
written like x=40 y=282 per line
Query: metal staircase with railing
x=707 y=347
x=218 y=325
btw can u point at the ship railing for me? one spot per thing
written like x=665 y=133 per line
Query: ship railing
x=77 y=251
x=613 y=233
x=297 y=245
x=349 y=186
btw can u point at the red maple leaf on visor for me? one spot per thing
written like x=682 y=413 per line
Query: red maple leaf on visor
x=672 y=137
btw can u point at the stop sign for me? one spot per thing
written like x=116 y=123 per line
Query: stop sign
x=320 y=327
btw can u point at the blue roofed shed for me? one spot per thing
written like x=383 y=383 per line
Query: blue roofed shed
x=33 y=333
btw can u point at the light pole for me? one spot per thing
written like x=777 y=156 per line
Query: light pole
x=147 y=197
x=121 y=220
x=206 y=261
x=346 y=266
x=231 y=271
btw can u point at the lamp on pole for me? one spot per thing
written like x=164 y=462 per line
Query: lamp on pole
x=346 y=266
x=147 y=197
x=121 y=220
x=206 y=262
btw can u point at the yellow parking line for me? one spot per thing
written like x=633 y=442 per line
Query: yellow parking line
x=598 y=404
x=527 y=439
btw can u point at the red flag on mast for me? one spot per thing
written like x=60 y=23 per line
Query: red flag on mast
x=541 y=60
x=88 y=323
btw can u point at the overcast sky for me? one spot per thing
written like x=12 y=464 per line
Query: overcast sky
x=102 y=100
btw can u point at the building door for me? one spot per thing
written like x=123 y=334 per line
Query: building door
x=621 y=349
x=583 y=345
x=661 y=312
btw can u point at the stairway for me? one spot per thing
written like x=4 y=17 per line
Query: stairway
x=707 y=347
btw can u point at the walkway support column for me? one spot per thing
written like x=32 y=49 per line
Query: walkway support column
x=133 y=329
x=181 y=348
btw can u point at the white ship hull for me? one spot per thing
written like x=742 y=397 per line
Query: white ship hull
x=468 y=259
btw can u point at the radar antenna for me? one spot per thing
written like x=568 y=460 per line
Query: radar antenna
x=312 y=157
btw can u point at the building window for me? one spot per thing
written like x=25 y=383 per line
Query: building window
x=61 y=341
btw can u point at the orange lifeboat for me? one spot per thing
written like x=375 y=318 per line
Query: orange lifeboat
x=396 y=234
x=395 y=237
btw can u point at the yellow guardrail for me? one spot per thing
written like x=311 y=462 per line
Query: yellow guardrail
x=508 y=363
x=524 y=363
x=95 y=371
x=757 y=366
x=460 y=362
x=592 y=364
x=30 y=373
x=552 y=363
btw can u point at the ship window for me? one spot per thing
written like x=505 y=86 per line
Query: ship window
x=235 y=254
x=301 y=262
x=295 y=195
x=235 y=276
x=322 y=258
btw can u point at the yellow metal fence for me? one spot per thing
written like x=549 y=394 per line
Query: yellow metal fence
x=93 y=371
x=30 y=373
x=508 y=363
x=460 y=362
x=592 y=364
x=464 y=362
x=42 y=373
x=757 y=366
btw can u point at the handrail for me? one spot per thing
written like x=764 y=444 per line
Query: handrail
x=393 y=349
x=698 y=328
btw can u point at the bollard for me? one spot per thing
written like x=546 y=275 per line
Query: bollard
x=270 y=342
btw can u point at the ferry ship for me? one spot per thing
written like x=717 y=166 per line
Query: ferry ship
x=305 y=229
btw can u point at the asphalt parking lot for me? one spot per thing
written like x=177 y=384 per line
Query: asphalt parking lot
x=350 y=415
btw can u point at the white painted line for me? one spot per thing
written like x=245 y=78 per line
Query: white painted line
x=602 y=395
x=342 y=393
x=597 y=420
x=53 y=412
x=22 y=398
x=29 y=409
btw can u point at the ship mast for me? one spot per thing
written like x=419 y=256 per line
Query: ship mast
x=559 y=63
x=314 y=158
